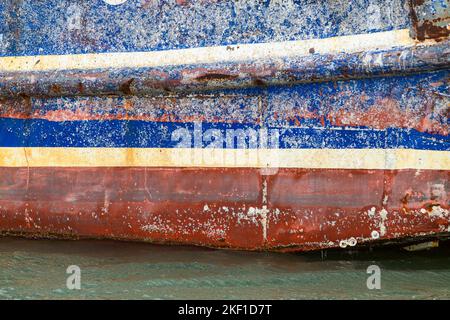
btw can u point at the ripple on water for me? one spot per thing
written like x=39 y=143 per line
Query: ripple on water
x=36 y=269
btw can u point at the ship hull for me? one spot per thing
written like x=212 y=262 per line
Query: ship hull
x=241 y=208
x=212 y=123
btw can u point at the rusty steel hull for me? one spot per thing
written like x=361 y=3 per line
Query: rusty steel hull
x=218 y=207
x=342 y=173
x=210 y=123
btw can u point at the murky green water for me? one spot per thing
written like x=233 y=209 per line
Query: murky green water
x=36 y=269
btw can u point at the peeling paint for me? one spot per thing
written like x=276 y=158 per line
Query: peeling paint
x=355 y=112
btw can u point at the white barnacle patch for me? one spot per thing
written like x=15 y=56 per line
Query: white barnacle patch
x=150 y=228
x=251 y=212
x=159 y=225
x=215 y=232
x=352 y=242
x=374 y=16
x=348 y=242
x=367 y=61
x=276 y=215
x=383 y=215
x=379 y=60
x=252 y=215
x=438 y=212
x=381 y=219
x=375 y=234
x=3 y=43
x=73 y=17
x=263 y=212
x=343 y=244
x=371 y=212
x=264 y=192
x=403 y=59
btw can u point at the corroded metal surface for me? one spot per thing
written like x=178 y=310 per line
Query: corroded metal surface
x=430 y=19
x=61 y=27
x=265 y=71
x=277 y=125
x=302 y=208
x=150 y=26
x=295 y=209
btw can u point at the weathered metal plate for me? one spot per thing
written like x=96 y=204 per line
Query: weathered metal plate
x=223 y=123
x=80 y=26
x=430 y=19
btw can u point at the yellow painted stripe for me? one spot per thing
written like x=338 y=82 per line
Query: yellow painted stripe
x=242 y=52
x=256 y=158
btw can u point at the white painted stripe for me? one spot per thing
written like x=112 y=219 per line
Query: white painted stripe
x=251 y=158
x=234 y=53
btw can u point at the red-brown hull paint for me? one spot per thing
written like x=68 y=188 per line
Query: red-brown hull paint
x=242 y=208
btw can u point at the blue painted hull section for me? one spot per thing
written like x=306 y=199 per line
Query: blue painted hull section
x=61 y=27
x=142 y=134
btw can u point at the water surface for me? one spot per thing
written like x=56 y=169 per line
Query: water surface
x=36 y=269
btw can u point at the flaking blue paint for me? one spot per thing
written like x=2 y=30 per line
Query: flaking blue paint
x=30 y=27
x=145 y=134
x=425 y=94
